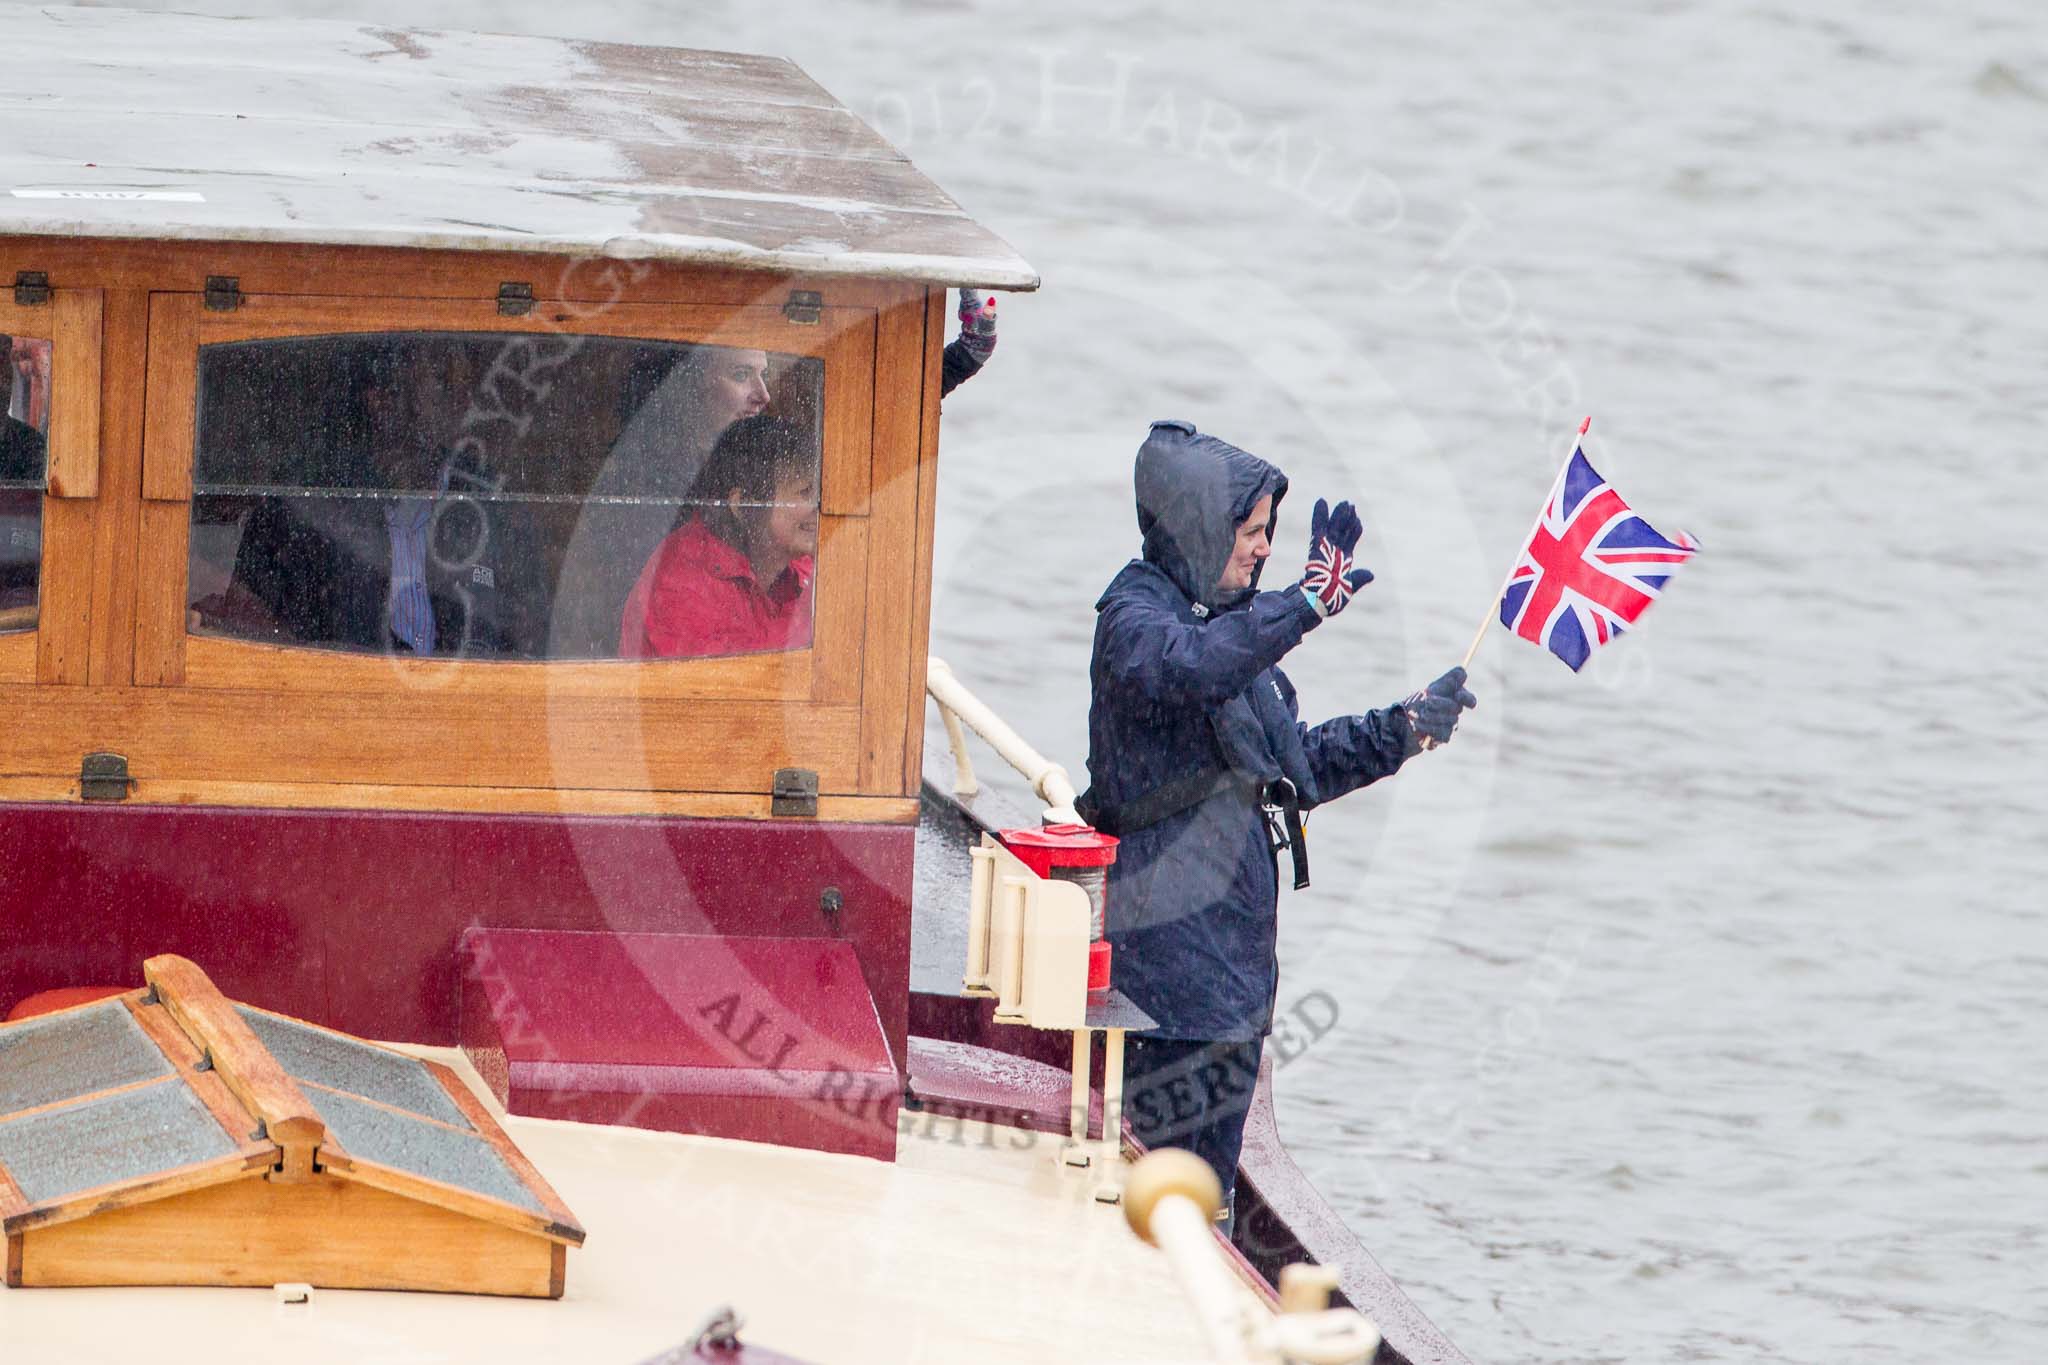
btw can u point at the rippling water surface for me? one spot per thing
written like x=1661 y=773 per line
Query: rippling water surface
x=1691 y=1008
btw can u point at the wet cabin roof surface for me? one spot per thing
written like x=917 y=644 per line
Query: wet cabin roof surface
x=311 y=131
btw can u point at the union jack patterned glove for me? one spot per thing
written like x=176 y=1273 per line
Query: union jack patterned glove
x=1331 y=578
x=1434 y=711
x=978 y=323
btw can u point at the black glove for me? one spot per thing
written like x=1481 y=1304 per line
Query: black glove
x=1434 y=711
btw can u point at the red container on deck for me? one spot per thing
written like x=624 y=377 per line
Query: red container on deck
x=1078 y=854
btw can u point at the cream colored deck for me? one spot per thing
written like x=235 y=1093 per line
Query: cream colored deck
x=971 y=1247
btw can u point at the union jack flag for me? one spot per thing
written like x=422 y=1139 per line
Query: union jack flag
x=1591 y=567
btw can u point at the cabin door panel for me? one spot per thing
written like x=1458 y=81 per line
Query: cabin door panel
x=162 y=545
x=50 y=400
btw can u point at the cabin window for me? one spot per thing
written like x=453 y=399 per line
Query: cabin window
x=537 y=459
x=495 y=496
x=24 y=469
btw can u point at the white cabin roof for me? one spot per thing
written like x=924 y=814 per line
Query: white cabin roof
x=126 y=124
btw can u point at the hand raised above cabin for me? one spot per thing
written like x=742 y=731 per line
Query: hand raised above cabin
x=968 y=352
x=1434 y=712
x=978 y=323
x=1332 y=578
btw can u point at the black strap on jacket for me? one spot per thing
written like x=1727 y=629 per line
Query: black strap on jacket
x=1163 y=802
x=1278 y=803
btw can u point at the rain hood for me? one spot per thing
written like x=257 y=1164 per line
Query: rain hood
x=1193 y=492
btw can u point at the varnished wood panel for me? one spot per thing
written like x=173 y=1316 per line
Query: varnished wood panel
x=894 y=810
x=18 y=656
x=64 y=628
x=329 y=1232
x=74 y=435
x=90 y=1203
x=14 y=1261
x=38 y=788
x=190 y=735
x=173 y=379
x=220 y=662
x=125 y=324
x=927 y=521
x=893 y=526
x=369 y=272
x=161 y=563
x=263 y=316
x=848 y=421
x=846 y=552
x=27 y=319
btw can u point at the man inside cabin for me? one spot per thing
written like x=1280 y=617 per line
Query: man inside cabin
x=392 y=547
x=735 y=576
x=1200 y=765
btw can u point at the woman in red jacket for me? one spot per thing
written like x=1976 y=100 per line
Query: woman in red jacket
x=735 y=577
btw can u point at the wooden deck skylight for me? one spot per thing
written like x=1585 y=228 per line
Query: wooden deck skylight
x=170 y=1136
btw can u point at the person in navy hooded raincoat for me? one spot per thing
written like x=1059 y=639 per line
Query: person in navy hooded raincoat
x=1199 y=764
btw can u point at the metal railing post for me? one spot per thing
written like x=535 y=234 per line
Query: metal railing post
x=959 y=706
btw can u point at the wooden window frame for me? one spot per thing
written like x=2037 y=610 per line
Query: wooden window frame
x=620 y=754
x=168 y=654
x=603 y=734
x=56 y=650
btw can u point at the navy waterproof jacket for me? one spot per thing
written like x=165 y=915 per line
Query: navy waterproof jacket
x=1184 y=682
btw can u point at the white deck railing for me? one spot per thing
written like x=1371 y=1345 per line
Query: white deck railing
x=1171 y=1198
x=958 y=706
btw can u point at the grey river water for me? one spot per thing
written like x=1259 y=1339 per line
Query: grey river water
x=1691 y=1008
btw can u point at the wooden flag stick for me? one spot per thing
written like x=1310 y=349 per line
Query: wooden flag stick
x=1494 y=610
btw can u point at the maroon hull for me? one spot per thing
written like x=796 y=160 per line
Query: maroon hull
x=350 y=919
x=771 y=1039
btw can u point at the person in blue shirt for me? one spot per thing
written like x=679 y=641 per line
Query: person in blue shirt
x=1200 y=765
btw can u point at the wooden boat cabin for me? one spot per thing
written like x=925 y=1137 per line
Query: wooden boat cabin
x=466 y=519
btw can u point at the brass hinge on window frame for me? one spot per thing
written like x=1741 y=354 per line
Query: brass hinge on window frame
x=515 y=299
x=806 y=306
x=795 y=792
x=104 y=777
x=31 y=287
x=223 y=293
